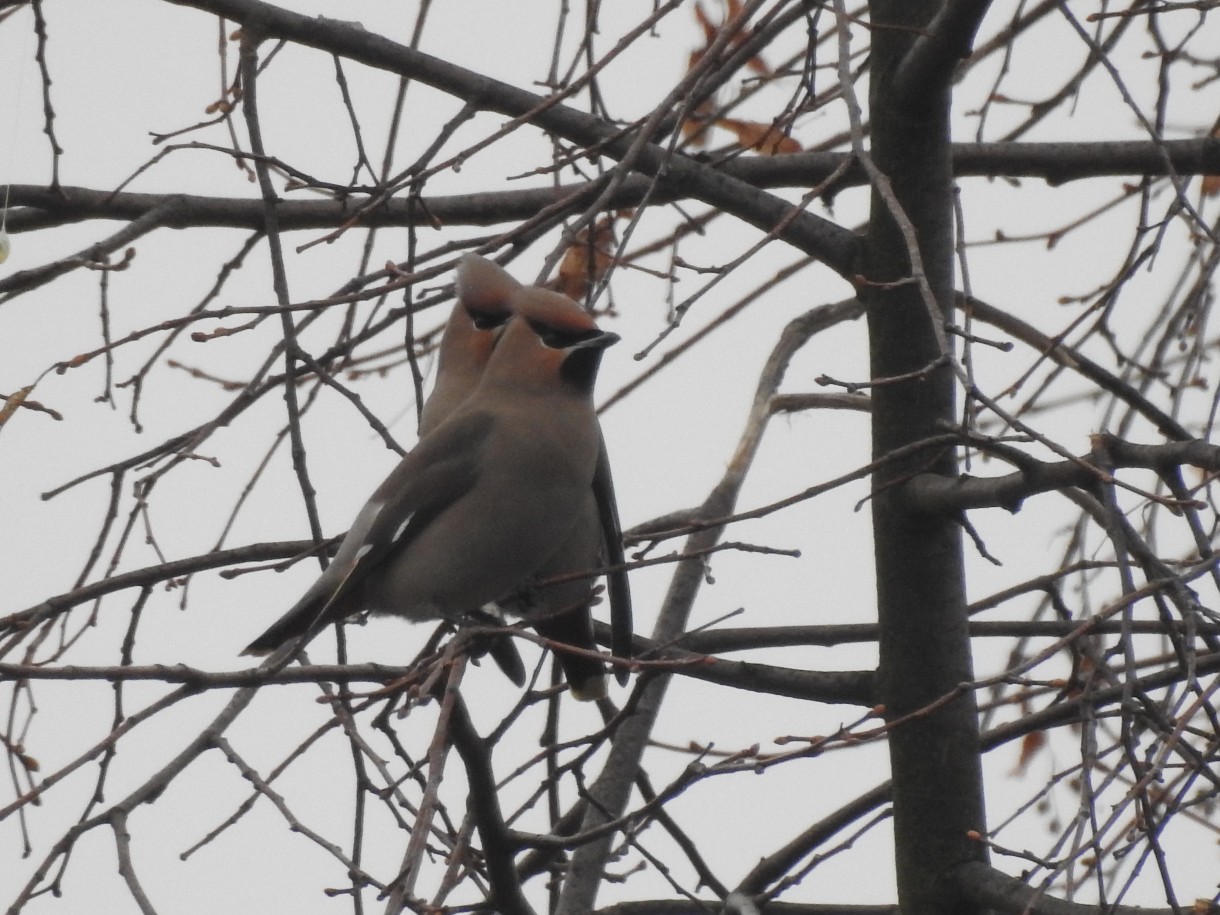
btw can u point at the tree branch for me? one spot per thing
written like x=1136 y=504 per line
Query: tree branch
x=53 y=606
x=484 y=806
x=832 y=244
x=947 y=40
x=938 y=494
x=988 y=887
x=36 y=207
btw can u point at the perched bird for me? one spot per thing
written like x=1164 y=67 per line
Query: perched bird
x=486 y=296
x=482 y=290
x=488 y=495
x=560 y=611
x=480 y=312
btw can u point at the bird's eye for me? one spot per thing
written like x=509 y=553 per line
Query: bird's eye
x=488 y=320
x=561 y=337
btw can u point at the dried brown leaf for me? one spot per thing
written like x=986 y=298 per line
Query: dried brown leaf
x=764 y=138
x=739 y=36
x=13 y=401
x=587 y=260
x=1031 y=744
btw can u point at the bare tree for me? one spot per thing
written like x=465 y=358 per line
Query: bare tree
x=1037 y=326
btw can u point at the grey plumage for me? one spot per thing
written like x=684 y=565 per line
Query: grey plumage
x=398 y=557
x=465 y=518
x=483 y=292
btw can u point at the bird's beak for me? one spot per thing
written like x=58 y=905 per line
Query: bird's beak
x=601 y=341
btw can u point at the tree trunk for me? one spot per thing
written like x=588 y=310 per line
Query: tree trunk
x=925 y=647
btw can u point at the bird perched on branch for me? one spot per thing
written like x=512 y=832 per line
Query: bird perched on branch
x=560 y=611
x=509 y=485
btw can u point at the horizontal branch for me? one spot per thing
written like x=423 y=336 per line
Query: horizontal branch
x=745 y=638
x=834 y=245
x=936 y=494
x=707 y=642
x=697 y=907
x=151 y=575
x=1071 y=710
x=1059 y=163
x=834 y=687
x=36 y=207
x=208 y=679
x=989 y=888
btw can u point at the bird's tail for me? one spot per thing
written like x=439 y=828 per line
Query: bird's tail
x=586 y=676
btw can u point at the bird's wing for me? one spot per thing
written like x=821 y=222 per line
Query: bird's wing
x=417 y=491
x=432 y=477
x=619 y=591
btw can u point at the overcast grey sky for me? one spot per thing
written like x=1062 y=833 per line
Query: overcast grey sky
x=128 y=68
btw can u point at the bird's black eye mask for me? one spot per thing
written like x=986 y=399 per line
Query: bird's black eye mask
x=488 y=320
x=562 y=338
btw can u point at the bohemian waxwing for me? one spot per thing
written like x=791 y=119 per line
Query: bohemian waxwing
x=480 y=312
x=482 y=290
x=485 y=499
x=560 y=611
x=486 y=295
